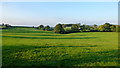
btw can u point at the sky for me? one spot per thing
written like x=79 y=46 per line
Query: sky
x=52 y=13
x=59 y=0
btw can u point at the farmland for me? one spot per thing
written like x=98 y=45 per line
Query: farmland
x=32 y=47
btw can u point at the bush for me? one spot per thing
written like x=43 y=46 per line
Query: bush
x=75 y=28
x=59 y=29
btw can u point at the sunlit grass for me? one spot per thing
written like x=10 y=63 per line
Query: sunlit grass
x=32 y=47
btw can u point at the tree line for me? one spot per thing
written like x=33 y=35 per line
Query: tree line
x=72 y=28
x=45 y=28
x=4 y=26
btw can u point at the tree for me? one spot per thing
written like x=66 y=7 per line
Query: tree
x=47 y=28
x=85 y=28
x=41 y=27
x=2 y=24
x=66 y=25
x=91 y=28
x=51 y=28
x=75 y=28
x=101 y=28
x=117 y=28
x=113 y=28
x=105 y=27
x=59 y=29
x=7 y=25
x=95 y=27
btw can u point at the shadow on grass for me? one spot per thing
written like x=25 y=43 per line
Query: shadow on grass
x=50 y=38
x=63 y=46
x=51 y=58
x=25 y=30
x=18 y=31
x=57 y=35
x=47 y=35
x=33 y=47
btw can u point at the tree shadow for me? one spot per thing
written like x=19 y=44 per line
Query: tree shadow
x=25 y=30
x=50 y=37
x=61 y=58
x=58 y=35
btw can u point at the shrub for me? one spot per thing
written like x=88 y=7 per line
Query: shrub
x=59 y=29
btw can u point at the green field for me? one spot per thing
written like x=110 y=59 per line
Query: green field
x=32 y=47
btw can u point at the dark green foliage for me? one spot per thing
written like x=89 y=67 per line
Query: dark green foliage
x=71 y=28
x=51 y=28
x=59 y=29
x=101 y=28
x=84 y=28
x=95 y=27
x=113 y=28
x=67 y=25
x=88 y=28
x=5 y=26
x=117 y=28
x=105 y=27
x=41 y=27
x=47 y=28
x=75 y=28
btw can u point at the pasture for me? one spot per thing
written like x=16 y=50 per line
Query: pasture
x=32 y=47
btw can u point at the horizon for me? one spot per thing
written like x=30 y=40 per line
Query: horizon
x=52 y=13
x=54 y=26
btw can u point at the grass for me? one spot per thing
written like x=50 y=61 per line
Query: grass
x=32 y=47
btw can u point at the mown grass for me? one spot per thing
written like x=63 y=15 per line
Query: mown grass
x=32 y=47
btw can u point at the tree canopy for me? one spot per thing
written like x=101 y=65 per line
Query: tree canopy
x=59 y=29
x=71 y=28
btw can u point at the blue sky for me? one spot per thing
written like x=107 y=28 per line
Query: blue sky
x=52 y=13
